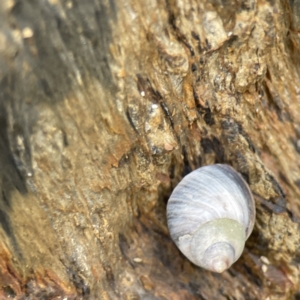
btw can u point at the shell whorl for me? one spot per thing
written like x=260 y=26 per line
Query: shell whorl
x=210 y=215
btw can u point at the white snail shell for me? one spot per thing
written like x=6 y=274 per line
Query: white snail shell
x=211 y=213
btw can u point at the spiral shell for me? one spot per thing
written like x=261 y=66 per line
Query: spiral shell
x=211 y=213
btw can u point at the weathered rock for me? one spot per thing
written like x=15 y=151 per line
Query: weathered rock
x=105 y=105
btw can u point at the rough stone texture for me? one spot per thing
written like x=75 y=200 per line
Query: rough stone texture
x=105 y=105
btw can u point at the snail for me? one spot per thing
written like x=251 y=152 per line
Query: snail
x=210 y=215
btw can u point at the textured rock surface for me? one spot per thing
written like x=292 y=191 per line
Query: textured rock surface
x=105 y=105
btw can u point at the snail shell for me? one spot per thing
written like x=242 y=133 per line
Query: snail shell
x=211 y=213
